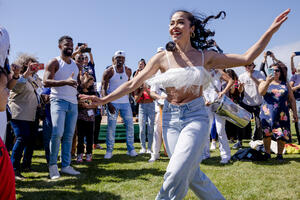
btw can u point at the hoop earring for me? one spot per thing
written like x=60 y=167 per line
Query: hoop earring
x=193 y=34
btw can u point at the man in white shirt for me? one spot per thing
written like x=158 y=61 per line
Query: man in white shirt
x=252 y=100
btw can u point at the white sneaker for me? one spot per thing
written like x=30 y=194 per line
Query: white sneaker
x=132 y=153
x=224 y=160
x=142 y=151
x=153 y=158
x=53 y=172
x=213 y=146
x=69 y=170
x=148 y=151
x=108 y=155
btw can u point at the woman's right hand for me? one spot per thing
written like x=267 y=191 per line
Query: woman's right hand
x=269 y=79
x=279 y=20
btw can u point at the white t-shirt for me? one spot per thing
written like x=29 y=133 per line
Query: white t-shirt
x=251 y=95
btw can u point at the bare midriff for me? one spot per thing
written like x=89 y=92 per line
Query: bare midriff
x=182 y=96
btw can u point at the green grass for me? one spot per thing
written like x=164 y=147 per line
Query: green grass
x=124 y=177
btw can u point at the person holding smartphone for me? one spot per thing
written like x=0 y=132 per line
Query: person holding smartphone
x=295 y=86
x=274 y=112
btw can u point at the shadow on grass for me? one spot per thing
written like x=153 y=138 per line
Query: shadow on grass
x=55 y=194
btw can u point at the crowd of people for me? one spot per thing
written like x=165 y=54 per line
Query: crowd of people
x=174 y=92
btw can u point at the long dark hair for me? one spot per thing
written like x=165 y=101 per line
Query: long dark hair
x=280 y=66
x=200 y=40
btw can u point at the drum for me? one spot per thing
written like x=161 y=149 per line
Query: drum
x=232 y=112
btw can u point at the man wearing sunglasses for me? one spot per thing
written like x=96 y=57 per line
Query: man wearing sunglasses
x=252 y=100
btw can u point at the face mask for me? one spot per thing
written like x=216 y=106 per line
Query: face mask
x=4 y=45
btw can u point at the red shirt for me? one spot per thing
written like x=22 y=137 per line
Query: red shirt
x=7 y=175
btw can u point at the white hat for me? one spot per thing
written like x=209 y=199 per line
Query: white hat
x=4 y=45
x=159 y=49
x=119 y=53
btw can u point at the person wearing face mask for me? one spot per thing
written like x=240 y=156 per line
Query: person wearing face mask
x=113 y=77
x=62 y=75
x=185 y=75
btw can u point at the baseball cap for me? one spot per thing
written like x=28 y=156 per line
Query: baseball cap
x=119 y=53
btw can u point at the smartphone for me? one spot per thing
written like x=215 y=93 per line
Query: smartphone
x=271 y=71
x=41 y=66
x=297 y=53
x=38 y=66
x=80 y=44
x=86 y=50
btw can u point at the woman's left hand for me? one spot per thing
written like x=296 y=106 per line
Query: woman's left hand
x=279 y=20
x=95 y=100
x=220 y=94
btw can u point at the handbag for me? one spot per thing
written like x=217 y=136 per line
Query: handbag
x=229 y=110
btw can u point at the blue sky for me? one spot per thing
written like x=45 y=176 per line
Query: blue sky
x=138 y=27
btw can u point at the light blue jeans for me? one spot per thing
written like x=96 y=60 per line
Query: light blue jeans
x=126 y=114
x=185 y=132
x=64 y=118
x=146 y=117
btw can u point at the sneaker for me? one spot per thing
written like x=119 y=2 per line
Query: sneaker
x=108 y=155
x=97 y=146
x=148 y=151
x=237 y=145
x=153 y=158
x=53 y=172
x=213 y=145
x=142 y=151
x=69 y=170
x=88 y=157
x=279 y=158
x=19 y=176
x=224 y=160
x=132 y=153
x=79 y=158
x=267 y=156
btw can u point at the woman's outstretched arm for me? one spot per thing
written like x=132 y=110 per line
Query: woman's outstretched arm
x=216 y=60
x=151 y=68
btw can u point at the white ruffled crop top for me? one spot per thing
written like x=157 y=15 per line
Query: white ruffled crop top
x=182 y=77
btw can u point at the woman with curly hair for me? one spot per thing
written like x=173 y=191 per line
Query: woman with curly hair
x=184 y=75
x=23 y=103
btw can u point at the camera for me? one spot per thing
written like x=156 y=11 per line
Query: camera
x=38 y=66
x=86 y=50
x=269 y=53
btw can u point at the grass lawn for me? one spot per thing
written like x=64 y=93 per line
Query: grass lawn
x=124 y=177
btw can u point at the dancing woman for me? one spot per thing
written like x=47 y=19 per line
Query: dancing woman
x=185 y=119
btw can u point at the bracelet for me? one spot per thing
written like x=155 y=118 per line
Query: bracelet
x=16 y=78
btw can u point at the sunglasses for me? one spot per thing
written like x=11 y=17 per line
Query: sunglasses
x=80 y=58
x=276 y=70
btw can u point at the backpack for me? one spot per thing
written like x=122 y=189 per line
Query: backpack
x=248 y=154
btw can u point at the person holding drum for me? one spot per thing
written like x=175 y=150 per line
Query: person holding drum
x=185 y=118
